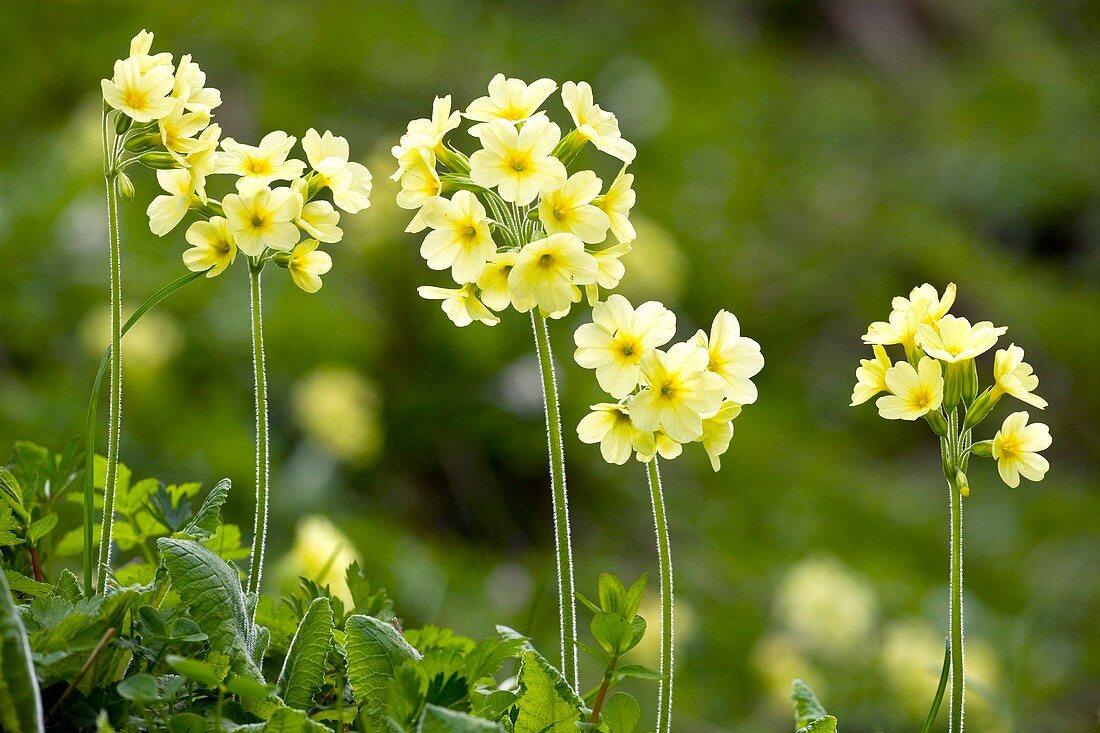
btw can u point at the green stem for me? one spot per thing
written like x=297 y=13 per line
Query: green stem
x=93 y=409
x=114 y=425
x=259 y=532
x=664 y=553
x=564 y=552
x=940 y=689
x=958 y=674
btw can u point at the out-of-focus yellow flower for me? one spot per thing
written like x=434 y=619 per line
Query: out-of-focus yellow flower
x=913 y=392
x=460 y=238
x=617 y=203
x=263 y=218
x=167 y=210
x=338 y=409
x=678 y=391
x=512 y=100
x=321 y=553
x=350 y=182
x=154 y=340
x=569 y=209
x=827 y=607
x=954 y=340
x=733 y=357
x=618 y=338
x=871 y=376
x=140 y=45
x=518 y=162
x=142 y=96
x=594 y=124
x=259 y=165
x=460 y=304
x=307 y=264
x=493 y=280
x=190 y=87
x=718 y=432
x=425 y=135
x=1016 y=447
x=610 y=425
x=1015 y=377
x=212 y=246
x=547 y=272
x=778 y=659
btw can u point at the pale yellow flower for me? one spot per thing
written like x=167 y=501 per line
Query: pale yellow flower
x=618 y=338
x=924 y=305
x=419 y=182
x=142 y=96
x=1016 y=447
x=733 y=357
x=338 y=408
x=493 y=280
x=140 y=45
x=617 y=203
x=610 y=270
x=547 y=272
x=610 y=425
x=518 y=162
x=166 y=211
x=595 y=124
x=718 y=432
x=926 y=299
x=570 y=209
x=1015 y=377
x=460 y=238
x=263 y=218
x=954 y=340
x=178 y=130
x=871 y=376
x=307 y=264
x=190 y=87
x=259 y=165
x=512 y=100
x=322 y=553
x=460 y=304
x=678 y=392
x=212 y=246
x=425 y=134
x=913 y=392
x=202 y=162
x=319 y=219
x=350 y=182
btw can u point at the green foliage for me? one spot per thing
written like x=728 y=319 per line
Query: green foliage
x=547 y=704
x=306 y=663
x=375 y=650
x=809 y=714
x=20 y=704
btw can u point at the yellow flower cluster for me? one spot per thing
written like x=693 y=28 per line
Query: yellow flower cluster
x=689 y=392
x=165 y=123
x=509 y=222
x=939 y=375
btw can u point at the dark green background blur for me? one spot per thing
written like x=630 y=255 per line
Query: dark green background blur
x=799 y=164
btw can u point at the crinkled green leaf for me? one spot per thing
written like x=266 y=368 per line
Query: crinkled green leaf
x=68 y=587
x=20 y=704
x=208 y=518
x=807 y=709
x=306 y=661
x=374 y=650
x=435 y=719
x=211 y=590
x=547 y=703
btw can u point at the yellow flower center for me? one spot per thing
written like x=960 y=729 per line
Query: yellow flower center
x=259 y=221
x=547 y=260
x=518 y=163
x=258 y=166
x=668 y=390
x=922 y=398
x=1010 y=446
x=136 y=99
x=629 y=347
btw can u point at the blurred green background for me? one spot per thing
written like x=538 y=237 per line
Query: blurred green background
x=799 y=164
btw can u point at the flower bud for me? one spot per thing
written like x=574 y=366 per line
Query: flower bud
x=569 y=146
x=122 y=123
x=982 y=449
x=937 y=422
x=125 y=186
x=963 y=483
x=980 y=409
x=158 y=161
x=953 y=386
x=455 y=161
x=970 y=381
x=142 y=143
x=946 y=460
x=282 y=259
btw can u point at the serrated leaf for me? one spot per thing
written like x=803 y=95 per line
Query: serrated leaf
x=621 y=713
x=807 y=709
x=68 y=587
x=286 y=720
x=19 y=583
x=306 y=661
x=208 y=518
x=495 y=704
x=547 y=703
x=826 y=724
x=488 y=656
x=20 y=704
x=374 y=650
x=211 y=590
x=40 y=528
x=435 y=719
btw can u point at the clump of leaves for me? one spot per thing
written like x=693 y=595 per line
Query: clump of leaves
x=809 y=714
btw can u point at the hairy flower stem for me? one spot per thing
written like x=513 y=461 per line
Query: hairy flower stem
x=114 y=428
x=564 y=552
x=958 y=675
x=664 y=554
x=259 y=532
x=93 y=409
